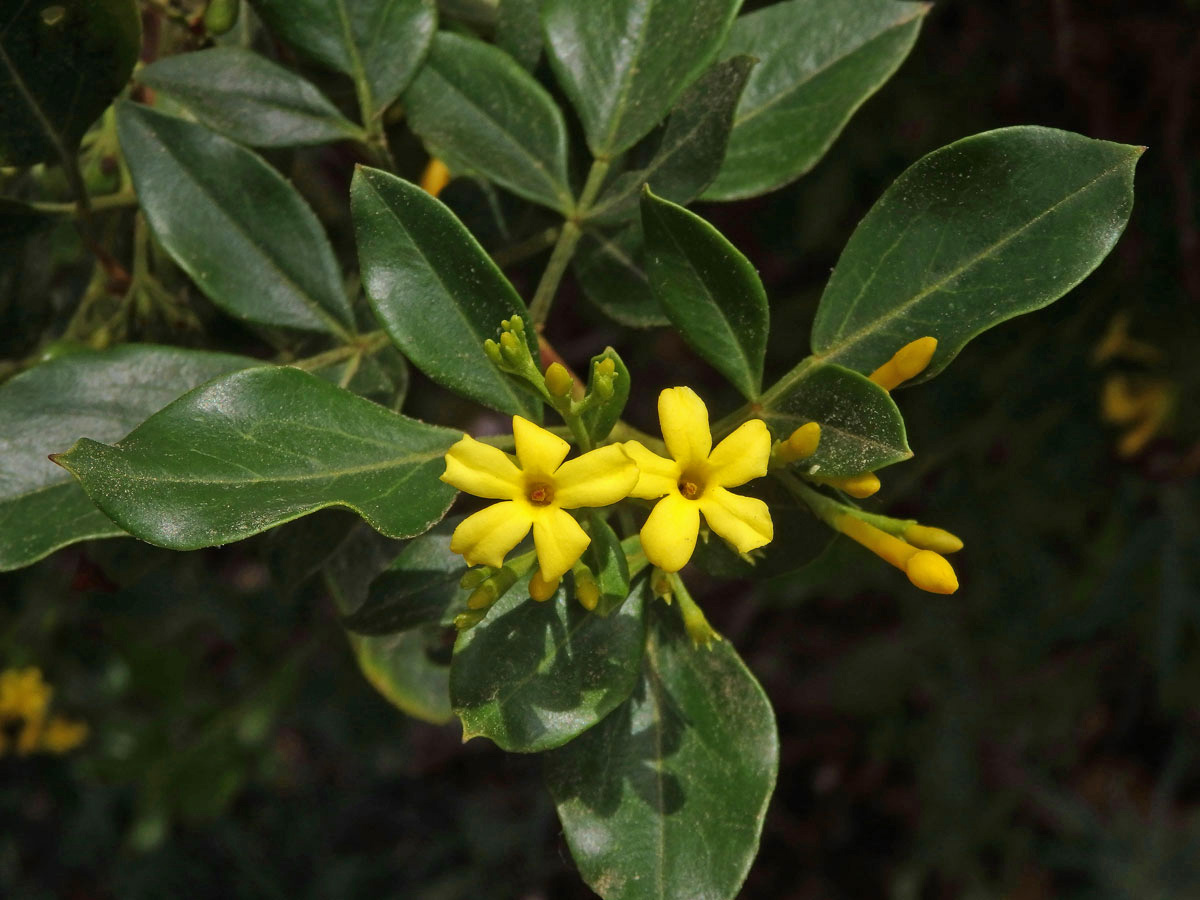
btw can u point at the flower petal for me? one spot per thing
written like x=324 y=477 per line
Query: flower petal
x=684 y=420
x=598 y=478
x=656 y=476
x=669 y=535
x=482 y=470
x=742 y=456
x=538 y=451
x=559 y=541
x=743 y=521
x=486 y=537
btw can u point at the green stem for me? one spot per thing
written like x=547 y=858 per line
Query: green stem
x=564 y=248
x=365 y=345
x=106 y=201
x=522 y=250
x=824 y=508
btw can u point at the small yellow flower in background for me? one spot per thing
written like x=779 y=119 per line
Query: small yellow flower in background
x=535 y=494
x=435 y=177
x=24 y=702
x=695 y=480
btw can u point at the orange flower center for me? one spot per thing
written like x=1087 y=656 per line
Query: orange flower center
x=540 y=493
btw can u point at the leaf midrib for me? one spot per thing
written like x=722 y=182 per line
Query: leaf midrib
x=899 y=310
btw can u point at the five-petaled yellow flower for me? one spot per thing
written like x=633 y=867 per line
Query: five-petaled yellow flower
x=537 y=495
x=695 y=482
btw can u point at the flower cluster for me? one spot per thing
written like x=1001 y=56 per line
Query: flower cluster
x=536 y=490
x=25 y=726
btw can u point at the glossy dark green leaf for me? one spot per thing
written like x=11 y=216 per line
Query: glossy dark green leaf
x=435 y=290
x=600 y=419
x=666 y=797
x=61 y=65
x=248 y=98
x=611 y=270
x=233 y=223
x=606 y=558
x=532 y=676
x=692 y=147
x=478 y=110
x=99 y=393
x=261 y=447
x=418 y=588
x=519 y=31
x=710 y=291
x=975 y=233
x=380 y=44
x=861 y=428
x=819 y=61
x=624 y=63
x=407 y=668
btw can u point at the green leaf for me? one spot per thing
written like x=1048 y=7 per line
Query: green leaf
x=250 y=99
x=61 y=65
x=381 y=376
x=261 y=447
x=233 y=223
x=689 y=155
x=710 y=291
x=532 y=676
x=600 y=419
x=975 y=233
x=820 y=60
x=606 y=558
x=418 y=588
x=611 y=271
x=666 y=796
x=102 y=393
x=435 y=290
x=624 y=63
x=380 y=44
x=519 y=31
x=480 y=111
x=406 y=668
x=861 y=428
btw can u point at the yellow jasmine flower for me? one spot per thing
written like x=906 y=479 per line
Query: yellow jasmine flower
x=536 y=493
x=695 y=482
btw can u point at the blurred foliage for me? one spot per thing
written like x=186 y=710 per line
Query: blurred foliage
x=1034 y=736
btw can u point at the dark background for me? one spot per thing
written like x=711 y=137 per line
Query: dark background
x=1036 y=735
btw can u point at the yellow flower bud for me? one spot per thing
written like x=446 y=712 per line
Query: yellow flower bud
x=492 y=349
x=586 y=590
x=472 y=578
x=558 y=380
x=931 y=572
x=857 y=486
x=540 y=589
x=517 y=324
x=470 y=619
x=435 y=177
x=801 y=444
x=606 y=367
x=908 y=362
x=929 y=538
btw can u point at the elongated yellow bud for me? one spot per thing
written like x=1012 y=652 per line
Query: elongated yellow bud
x=908 y=362
x=801 y=444
x=540 y=589
x=435 y=177
x=931 y=572
x=586 y=590
x=926 y=569
x=929 y=538
x=558 y=380
x=491 y=588
x=857 y=486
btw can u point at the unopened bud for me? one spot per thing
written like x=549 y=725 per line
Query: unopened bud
x=801 y=444
x=558 y=380
x=492 y=349
x=435 y=177
x=857 y=486
x=606 y=367
x=660 y=584
x=492 y=588
x=602 y=386
x=540 y=589
x=220 y=16
x=517 y=324
x=469 y=619
x=908 y=362
x=586 y=590
x=929 y=538
x=931 y=572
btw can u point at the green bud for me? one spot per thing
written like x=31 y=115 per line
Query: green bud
x=221 y=15
x=492 y=349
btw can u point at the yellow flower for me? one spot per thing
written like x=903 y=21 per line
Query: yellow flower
x=695 y=482
x=537 y=495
